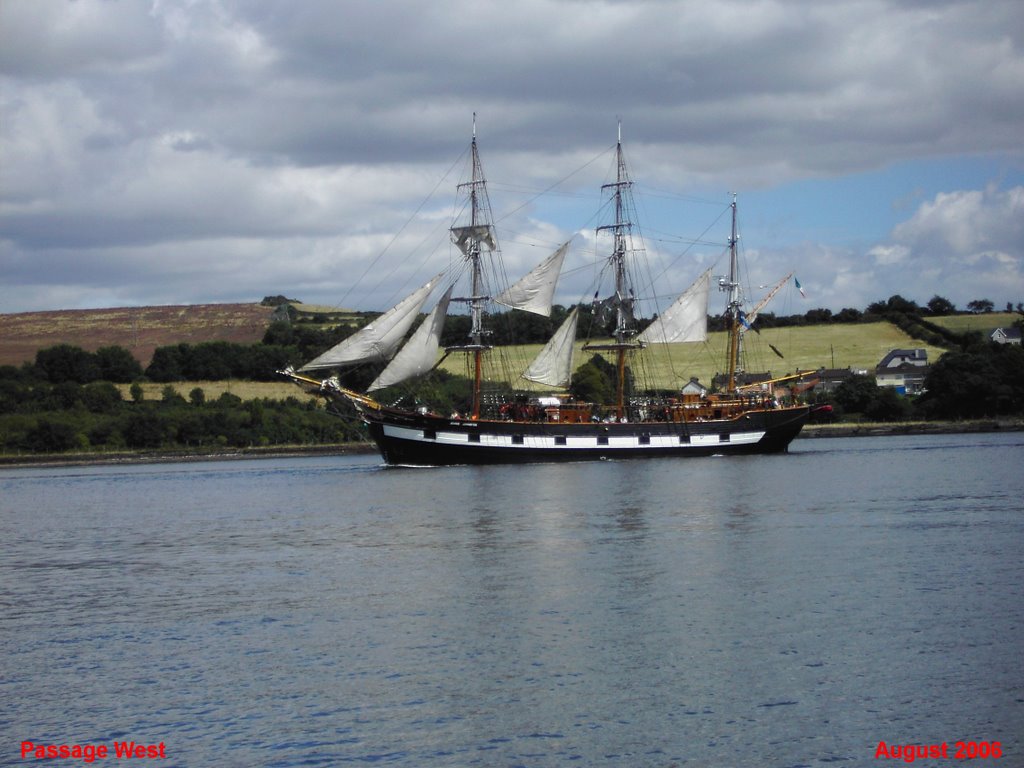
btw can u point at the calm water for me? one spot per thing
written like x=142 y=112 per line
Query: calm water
x=774 y=611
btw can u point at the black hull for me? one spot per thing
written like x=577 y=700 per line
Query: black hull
x=415 y=439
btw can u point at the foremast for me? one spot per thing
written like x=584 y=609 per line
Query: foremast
x=471 y=240
x=734 y=307
x=621 y=230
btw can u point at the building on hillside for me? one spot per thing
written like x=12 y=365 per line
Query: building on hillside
x=694 y=387
x=1006 y=336
x=828 y=380
x=903 y=369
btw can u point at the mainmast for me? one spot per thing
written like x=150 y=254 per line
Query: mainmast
x=624 y=299
x=471 y=239
x=733 y=311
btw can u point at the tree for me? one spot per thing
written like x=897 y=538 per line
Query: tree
x=51 y=436
x=66 y=395
x=146 y=429
x=594 y=381
x=117 y=364
x=279 y=333
x=894 y=303
x=275 y=301
x=818 y=316
x=848 y=315
x=67 y=363
x=170 y=396
x=939 y=305
x=101 y=397
x=211 y=360
x=856 y=393
x=888 y=405
x=982 y=379
x=166 y=364
x=979 y=306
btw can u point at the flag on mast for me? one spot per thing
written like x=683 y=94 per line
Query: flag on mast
x=799 y=287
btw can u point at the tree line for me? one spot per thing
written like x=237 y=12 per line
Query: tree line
x=67 y=399
x=979 y=379
x=52 y=418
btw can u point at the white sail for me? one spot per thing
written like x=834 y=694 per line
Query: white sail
x=685 y=320
x=464 y=236
x=534 y=292
x=419 y=354
x=553 y=366
x=380 y=339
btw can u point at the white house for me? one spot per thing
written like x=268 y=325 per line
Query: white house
x=1006 y=336
x=903 y=369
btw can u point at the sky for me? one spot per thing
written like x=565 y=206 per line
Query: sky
x=194 y=151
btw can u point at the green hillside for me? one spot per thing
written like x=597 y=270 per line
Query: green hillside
x=984 y=323
x=857 y=346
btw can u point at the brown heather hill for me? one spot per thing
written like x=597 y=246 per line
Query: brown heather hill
x=140 y=330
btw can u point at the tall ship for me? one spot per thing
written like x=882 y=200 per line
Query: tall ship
x=497 y=421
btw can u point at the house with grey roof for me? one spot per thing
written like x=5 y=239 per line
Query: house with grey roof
x=903 y=369
x=694 y=387
x=1006 y=336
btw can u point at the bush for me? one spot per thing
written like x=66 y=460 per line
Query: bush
x=101 y=397
x=146 y=429
x=888 y=405
x=50 y=436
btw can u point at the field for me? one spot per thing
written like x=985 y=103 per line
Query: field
x=668 y=366
x=140 y=330
x=143 y=329
x=247 y=390
x=985 y=323
x=860 y=347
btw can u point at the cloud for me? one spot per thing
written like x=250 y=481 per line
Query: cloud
x=962 y=245
x=146 y=146
x=967 y=244
x=964 y=223
x=887 y=255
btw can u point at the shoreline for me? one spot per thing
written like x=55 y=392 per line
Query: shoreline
x=809 y=432
x=883 y=429
x=183 y=455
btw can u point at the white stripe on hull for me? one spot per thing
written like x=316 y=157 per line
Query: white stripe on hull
x=588 y=442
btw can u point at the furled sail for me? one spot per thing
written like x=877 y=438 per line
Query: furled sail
x=603 y=310
x=534 y=292
x=553 y=366
x=419 y=354
x=464 y=236
x=380 y=339
x=752 y=314
x=685 y=320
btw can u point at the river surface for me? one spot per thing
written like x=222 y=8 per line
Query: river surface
x=791 y=610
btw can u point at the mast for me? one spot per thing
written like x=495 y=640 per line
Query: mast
x=733 y=312
x=624 y=300
x=471 y=240
x=619 y=263
x=476 y=301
